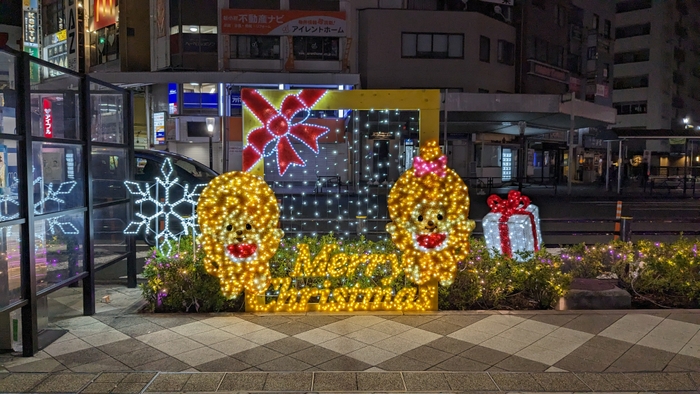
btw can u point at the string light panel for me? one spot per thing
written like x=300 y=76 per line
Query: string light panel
x=512 y=226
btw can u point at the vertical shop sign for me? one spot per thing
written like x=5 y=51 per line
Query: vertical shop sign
x=72 y=35
x=159 y=128
x=48 y=118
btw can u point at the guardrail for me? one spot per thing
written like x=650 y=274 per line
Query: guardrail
x=627 y=232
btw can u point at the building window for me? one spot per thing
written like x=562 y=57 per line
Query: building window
x=196 y=43
x=607 y=28
x=633 y=31
x=484 y=49
x=631 y=108
x=104 y=45
x=540 y=46
x=506 y=52
x=255 y=47
x=573 y=63
x=560 y=15
x=316 y=48
x=199 y=97
x=555 y=55
x=255 y=4
x=595 y=22
x=592 y=53
x=606 y=71
x=314 y=5
x=632 y=5
x=432 y=45
x=641 y=81
x=54 y=17
x=641 y=55
x=199 y=29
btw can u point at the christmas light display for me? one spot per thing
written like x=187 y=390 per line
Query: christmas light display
x=238 y=219
x=429 y=208
x=513 y=225
x=64 y=188
x=268 y=134
x=165 y=208
x=365 y=168
x=290 y=297
x=278 y=126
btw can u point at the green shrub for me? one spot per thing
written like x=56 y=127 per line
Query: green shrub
x=660 y=274
x=489 y=280
x=179 y=283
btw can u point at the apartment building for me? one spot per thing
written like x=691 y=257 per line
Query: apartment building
x=657 y=57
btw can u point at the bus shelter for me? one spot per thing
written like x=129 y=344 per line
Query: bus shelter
x=65 y=150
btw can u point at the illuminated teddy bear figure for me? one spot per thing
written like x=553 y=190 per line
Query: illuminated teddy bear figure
x=429 y=208
x=238 y=217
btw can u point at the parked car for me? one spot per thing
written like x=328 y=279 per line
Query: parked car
x=108 y=176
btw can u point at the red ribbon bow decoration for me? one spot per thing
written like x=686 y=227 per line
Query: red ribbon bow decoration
x=279 y=125
x=514 y=205
x=424 y=167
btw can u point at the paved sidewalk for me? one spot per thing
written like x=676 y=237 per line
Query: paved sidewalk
x=371 y=382
x=539 y=346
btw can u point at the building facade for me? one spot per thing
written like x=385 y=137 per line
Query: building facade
x=657 y=53
x=657 y=82
x=459 y=51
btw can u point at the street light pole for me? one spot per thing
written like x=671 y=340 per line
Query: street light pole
x=572 y=119
x=210 y=130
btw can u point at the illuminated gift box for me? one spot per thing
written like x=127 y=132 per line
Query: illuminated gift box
x=512 y=226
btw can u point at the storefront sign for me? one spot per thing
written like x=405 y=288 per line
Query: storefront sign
x=574 y=84
x=552 y=73
x=199 y=42
x=30 y=27
x=61 y=36
x=72 y=35
x=601 y=90
x=105 y=13
x=159 y=128
x=283 y=23
x=160 y=18
x=172 y=98
x=48 y=118
x=236 y=101
x=33 y=66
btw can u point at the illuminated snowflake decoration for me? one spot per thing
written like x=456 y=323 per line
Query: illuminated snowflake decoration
x=63 y=189
x=164 y=208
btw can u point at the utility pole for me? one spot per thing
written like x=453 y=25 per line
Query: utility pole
x=572 y=163
x=522 y=156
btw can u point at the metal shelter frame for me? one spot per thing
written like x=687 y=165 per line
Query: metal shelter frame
x=26 y=82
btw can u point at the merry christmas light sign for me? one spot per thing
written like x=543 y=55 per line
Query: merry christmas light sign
x=238 y=218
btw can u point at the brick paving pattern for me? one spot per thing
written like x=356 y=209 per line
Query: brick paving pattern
x=118 y=350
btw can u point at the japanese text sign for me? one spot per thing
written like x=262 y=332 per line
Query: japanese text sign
x=283 y=23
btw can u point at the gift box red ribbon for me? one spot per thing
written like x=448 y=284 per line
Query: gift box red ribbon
x=279 y=125
x=515 y=204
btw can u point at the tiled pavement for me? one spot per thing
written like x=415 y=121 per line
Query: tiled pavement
x=587 y=343
x=373 y=382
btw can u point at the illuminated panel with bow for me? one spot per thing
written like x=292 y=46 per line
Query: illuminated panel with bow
x=277 y=126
